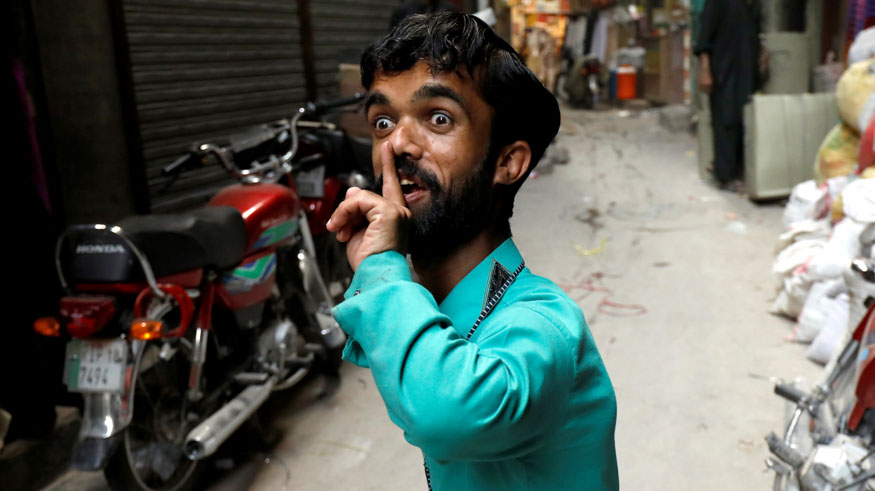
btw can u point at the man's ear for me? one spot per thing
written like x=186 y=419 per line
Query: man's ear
x=513 y=163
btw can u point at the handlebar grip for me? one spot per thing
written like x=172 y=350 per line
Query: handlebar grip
x=784 y=452
x=176 y=165
x=319 y=107
x=789 y=392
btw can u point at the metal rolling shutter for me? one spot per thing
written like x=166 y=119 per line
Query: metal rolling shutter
x=203 y=69
x=342 y=29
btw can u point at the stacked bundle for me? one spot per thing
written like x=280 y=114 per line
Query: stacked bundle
x=829 y=222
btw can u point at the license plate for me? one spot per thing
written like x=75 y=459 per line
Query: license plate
x=311 y=183
x=96 y=365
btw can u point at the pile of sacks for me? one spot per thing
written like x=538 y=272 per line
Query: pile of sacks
x=830 y=221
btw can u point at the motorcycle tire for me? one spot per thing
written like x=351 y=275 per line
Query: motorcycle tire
x=148 y=446
x=121 y=476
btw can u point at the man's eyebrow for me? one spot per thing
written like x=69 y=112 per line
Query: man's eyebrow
x=375 y=98
x=429 y=91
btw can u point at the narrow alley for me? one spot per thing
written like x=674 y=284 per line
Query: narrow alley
x=674 y=278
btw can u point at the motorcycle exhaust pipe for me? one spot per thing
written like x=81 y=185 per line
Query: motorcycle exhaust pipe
x=206 y=438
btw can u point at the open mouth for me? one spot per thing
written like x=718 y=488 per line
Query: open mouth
x=412 y=187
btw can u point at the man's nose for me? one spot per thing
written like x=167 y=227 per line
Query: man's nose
x=406 y=140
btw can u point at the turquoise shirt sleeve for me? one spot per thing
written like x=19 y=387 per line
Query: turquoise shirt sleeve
x=499 y=396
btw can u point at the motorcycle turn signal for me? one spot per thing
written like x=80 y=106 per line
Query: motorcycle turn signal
x=47 y=326
x=145 y=329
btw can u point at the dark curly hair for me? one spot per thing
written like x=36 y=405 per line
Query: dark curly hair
x=452 y=41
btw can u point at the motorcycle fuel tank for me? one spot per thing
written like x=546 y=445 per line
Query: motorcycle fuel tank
x=270 y=212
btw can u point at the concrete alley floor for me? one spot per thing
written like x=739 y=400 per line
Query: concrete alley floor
x=674 y=278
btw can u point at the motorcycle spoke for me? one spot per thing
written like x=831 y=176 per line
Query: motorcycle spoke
x=145 y=393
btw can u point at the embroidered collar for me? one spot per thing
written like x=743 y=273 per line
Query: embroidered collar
x=467 y=299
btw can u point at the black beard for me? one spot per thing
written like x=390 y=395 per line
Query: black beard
x=452 y=217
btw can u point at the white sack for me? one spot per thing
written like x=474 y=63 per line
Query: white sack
x=808 y=229
x=795 y=255
x=834 y=186
x=842 y=248
x=790 y=268
x=863 y=46
x=819 y=307
x=806 y=199
x=792 y=296
x=832 y=332
x=858 y=200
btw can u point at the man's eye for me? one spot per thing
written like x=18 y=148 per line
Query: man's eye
x=383 y=123
x=440 y=119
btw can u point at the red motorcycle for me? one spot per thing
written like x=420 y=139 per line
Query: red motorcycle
x=829 y=440
x=325 y=162
x=180 y=326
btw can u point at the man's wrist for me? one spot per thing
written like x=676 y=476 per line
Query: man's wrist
x=377 y=269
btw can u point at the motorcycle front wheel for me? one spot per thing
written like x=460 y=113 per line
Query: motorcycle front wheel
x=150 y=456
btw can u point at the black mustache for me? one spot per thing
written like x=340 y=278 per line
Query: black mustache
x=410 y=168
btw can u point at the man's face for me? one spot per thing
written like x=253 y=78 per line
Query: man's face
x=439 y=128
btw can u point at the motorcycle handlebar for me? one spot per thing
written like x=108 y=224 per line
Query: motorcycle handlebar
x=790 y=393
x=276 y=164
x=323 y=106
x=176 y=166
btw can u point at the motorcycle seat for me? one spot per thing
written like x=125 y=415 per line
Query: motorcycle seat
x=213 y=236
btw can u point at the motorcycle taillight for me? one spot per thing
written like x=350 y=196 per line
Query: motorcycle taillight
x=86 y=315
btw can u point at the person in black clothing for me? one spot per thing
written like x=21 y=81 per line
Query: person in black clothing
x=731 y=62
x=412 y=7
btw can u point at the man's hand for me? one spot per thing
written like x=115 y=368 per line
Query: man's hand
x=370 y=223
x=705 y=81
x=765 y=57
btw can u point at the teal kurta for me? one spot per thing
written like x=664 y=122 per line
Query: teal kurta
x=524 y=404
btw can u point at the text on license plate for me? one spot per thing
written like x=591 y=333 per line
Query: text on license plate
x=96 y=365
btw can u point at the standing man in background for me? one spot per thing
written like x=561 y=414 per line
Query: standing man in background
x=731 y=62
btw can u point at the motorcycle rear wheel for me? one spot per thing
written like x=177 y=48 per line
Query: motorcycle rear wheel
x=150 y=456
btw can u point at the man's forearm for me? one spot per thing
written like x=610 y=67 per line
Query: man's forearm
x=705 y=81
x=705 y=62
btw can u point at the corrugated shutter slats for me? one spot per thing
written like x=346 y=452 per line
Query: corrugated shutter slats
x=342 y=29
x=204 y=69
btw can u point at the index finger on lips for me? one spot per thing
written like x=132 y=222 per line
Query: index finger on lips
x=391 y=186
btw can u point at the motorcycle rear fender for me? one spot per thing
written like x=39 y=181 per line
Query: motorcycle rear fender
x=105 y=414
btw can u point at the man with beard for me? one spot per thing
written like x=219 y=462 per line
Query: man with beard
x=488 y=368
